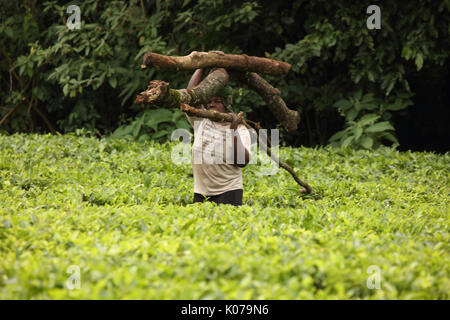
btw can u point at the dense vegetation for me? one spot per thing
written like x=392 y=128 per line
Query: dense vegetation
x=351 y=84
x=121 y=211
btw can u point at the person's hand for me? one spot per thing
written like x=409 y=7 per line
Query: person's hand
x=237 y=119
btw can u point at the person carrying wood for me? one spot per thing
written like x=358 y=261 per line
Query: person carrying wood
x=244 y=69
x=219 y=152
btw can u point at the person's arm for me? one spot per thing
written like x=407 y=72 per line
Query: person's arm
x=237 y=142
x=196 y=78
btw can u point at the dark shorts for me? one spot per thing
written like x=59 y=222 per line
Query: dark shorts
x=233 y=197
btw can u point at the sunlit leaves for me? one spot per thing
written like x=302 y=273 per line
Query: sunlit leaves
x=122 y=212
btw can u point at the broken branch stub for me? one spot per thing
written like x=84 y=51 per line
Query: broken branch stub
x=204 y=113
x=160 y=94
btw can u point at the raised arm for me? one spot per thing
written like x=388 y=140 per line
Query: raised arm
x=196 y=78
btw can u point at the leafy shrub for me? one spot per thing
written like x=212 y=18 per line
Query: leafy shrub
x=366 y=132
x=122 y=212
x=60 y=80
x=157 y=124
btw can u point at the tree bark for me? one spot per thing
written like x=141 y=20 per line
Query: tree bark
x=204 y=113
x=197 y=60
x=289 y=119
x=160 y=94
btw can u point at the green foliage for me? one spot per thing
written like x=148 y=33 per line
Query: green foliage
x=365 y=131
x=83 y=74
x=60 y=80
x=338 y=54
x=121 y=212
x=157 y=124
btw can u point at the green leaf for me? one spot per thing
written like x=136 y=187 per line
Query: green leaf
x=358 y=94
x=343 y=104
x=143 y=137
x=101 y=79
x=419 y=61
x=183 y=123
x=112 y=81
x=398 y=105
x=368 y=118
x=158 y=116
x=406 y=52
x=390 y=137
x=123 y=131
x=380 y=126
x=160 y=133
x=357 y=132
x=352 y=114
x=137 y=126
x=337 y=136
x=367 y=142
x=66 y=89
x=347 y=141
x=188 y=224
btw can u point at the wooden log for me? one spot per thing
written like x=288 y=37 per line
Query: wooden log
x=196 y=60
x=288 y=118
x=204 y=113
x=160 y=94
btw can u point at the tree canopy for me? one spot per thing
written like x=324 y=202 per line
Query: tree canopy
x=352 y=85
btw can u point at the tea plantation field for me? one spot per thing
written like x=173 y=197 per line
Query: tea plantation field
x=121 y=213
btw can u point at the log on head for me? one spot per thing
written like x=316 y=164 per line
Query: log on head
x=209 y=87
x=197 y=60
x=160 y=94
x=288 y=118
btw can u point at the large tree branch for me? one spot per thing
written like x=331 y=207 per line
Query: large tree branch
x=160 y=94
x=288 y=118
x=204 y=113
x=197 y=60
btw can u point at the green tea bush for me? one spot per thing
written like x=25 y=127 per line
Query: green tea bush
x=122 y=212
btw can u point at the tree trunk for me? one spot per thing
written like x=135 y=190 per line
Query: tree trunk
x=160 y=94
x=197 y=60
x=288 y=118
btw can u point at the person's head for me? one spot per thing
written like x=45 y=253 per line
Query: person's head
x=221 y=101
x=216 y=103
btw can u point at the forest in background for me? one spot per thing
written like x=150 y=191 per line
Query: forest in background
x=352 y=86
